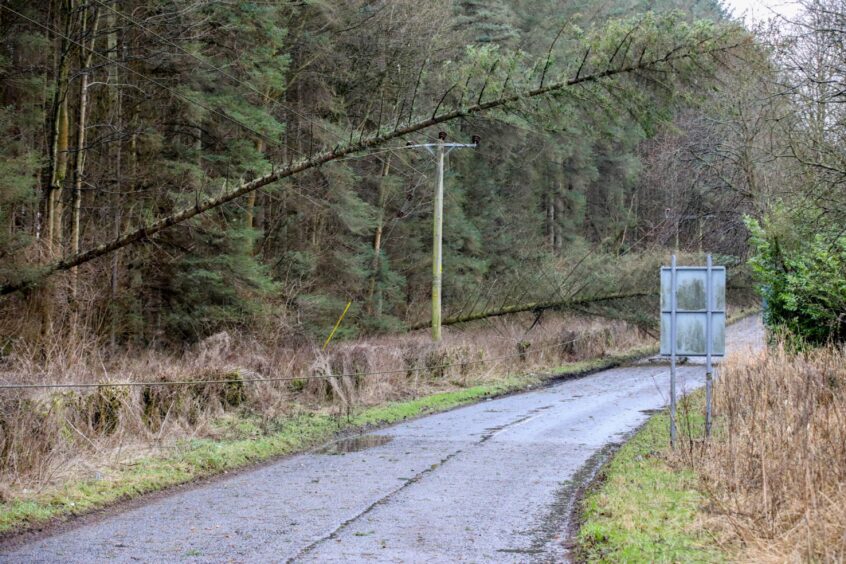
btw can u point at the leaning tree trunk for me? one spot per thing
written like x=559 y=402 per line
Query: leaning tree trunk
x=660 y=63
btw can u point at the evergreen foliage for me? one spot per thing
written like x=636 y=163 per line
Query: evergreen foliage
x=185 y=103
x=802 y=281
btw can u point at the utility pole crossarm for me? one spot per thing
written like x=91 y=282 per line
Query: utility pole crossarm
x=445 y=145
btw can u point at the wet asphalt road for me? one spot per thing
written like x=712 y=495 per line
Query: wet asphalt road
x=491 y=482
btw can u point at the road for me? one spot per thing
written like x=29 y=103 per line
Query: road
x=495 y=481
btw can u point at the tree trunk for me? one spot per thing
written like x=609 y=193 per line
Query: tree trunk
x=59 y=172
x=115 y=110
x=342 y=150
x=534 y=307
x=85 y=62
x=550 y=219
x=558 y=211
x=58 y=160
x=375 y=307
x=249 y=219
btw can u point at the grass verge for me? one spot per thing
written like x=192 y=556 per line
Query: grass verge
x=247 y=444
x=644 y=508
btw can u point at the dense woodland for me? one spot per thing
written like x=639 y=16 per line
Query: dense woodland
x=119 y=113
x=192 y=191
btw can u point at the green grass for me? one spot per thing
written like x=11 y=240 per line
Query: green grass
x=644 y=510
x=596 y=364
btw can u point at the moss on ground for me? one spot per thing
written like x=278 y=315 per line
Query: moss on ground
x=644 y=509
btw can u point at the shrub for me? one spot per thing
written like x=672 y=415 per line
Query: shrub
x=803 y=283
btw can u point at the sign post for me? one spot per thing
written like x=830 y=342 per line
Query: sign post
x=673 y=330
x=693 y=323
x=709 y=338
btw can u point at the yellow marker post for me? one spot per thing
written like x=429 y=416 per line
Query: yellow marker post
x=338 y=324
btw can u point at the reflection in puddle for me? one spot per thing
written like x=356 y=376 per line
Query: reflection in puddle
x=355 y=444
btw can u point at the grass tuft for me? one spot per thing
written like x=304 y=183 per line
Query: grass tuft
x=645 y=509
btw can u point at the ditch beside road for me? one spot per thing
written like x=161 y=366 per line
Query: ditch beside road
x=494 y=481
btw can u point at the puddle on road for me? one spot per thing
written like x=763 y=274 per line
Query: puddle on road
x=355 y=444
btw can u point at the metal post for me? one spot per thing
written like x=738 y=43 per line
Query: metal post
x=673 y=290
x=437 y=246
x=709 y=288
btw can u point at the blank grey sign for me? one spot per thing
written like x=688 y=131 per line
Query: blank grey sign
x=691 y=288
x=692 y=306
x=690 y=333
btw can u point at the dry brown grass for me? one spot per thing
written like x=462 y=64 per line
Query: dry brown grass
x=50 y=436
x=776 y=472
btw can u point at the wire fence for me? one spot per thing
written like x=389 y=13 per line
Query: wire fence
x=258 y=380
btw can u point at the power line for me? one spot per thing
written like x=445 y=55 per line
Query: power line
x=286 y=378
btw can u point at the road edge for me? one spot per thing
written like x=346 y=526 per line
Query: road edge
x=67 y=520
x=575 y=543
x=64 y=521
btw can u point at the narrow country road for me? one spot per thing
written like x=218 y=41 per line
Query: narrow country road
x=491 y=482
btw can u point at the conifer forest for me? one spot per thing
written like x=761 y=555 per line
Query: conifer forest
x=240 y=195
x=121 y=115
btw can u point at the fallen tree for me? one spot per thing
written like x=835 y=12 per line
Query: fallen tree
x=631 y=61
x=536 y=307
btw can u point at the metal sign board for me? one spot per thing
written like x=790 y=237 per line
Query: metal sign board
x=700 y=301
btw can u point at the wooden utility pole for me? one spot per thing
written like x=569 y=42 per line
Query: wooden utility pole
x=437 y=242
x=440 y=149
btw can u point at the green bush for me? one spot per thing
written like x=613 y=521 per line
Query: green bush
x=802 y=281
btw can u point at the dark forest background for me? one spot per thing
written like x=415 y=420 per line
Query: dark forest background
x=115 y=113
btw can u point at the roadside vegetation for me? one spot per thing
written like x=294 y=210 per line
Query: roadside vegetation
x=775 y=475
x=67 y=451
x=646 y=504
x=770 y=486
